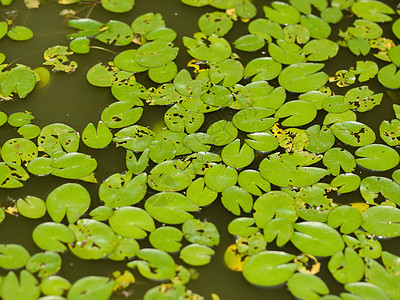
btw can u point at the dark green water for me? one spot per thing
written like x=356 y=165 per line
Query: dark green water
x=70 y=99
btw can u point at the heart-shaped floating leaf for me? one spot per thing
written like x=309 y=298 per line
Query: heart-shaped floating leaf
x=13 y=256
x=262 y=68
x=266 y=29
x=155 y=264
x=220 y=177
x=279 y=228
x=97 y=138
x=291 y=169
x=87 y=27
x=269 y=268
x=364 y=290
x=171 y=175
x=11 y=175
x=377 y=157
x=170 y=207
x=353 y=133
x=274 y=204
x=337 y=158
x=249 y=43
x=20 y=80
x=227 y=72
x=200 y=194
x=223 y=132
x=234 y=198
x=75 y=166
x=242 y=226
x=211 y=49
x=203 y=233
x=307 y=286
x=286 y=53
x=254 y=119
x=101 y=213
x=26 y=288
x=186 y=86
x=3 y=118
x=162 y=34
x=318 y=28
x=58 y=137
x=146 y=23
x=19 y=119
x=31 y=207
x=156 y=54
x=218 y=23
x=196 y=255
x=346 y=183
x=291 y=111
x=164 y=73
x=121 y=114
x=302 y=77
x=178 y=119
x=317 y=239
x=371 y=186
x=251 y=244
x=19 y=150
x=253 y=182
x=347 y=217
x=346 y=267
x=80 y=45
x=91 y=287
x=389 y=76
x=382 y=221
x=375 y=11
x=282 y=13
x=166 y=238
x=124 y=248
x=236 y=157
x=49 y=236
x=137 y=166
x=69 y=199
x=54 y=285
x=20 y=33
x=116 y=32
x=94 y=239
x=135 y=137
x=121 y=190
x=45 y=263
x=320 y=50
x=131 y=222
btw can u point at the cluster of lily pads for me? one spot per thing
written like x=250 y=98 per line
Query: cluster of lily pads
x=246 y=134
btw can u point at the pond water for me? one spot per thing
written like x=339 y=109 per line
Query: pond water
x=70 y=99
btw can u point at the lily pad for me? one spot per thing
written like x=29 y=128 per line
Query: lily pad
x=13 y=256
x=269 y=268
x=20 y=33
x=166 y=238
x=233 y=198
x=196 y=255
x=282 y=13
x=217 y=23
x=237 y=157
x=51 y=236
x=382 y=221
x=353 y=133
x=97 y=138
x=31 y=207
x=45 y=263
x=377 y=157
x=200 y=194
x=373 y=11
x=91 y=287
x=58 y=137
x=220 y=177
x=249 y=43
x=307 y=286
x=346 y=267
x=26 y=288
x=211 y=49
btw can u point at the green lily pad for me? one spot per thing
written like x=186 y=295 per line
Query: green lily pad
x=262 y=141
x=396 y=28
x=302 y=77
x=269 y=268
x=249 y=43
x=154 y=264
x=382 y=221
x=87 y=27
x=20 y=33
x=164 y=73
x=307 y=286
x=317 y=239
x=196 y=255
x=293 y=169
x=242 y=227
x=20 y=119
x=91 y=287
x=253 y=182
x=198 y=232
x=135 y=137
x=121 y=114
x=280 y=229
x=125 y=60
x=97 y=138
x=216 y=22
x=359 y=46
x=3 y=118
x=375 y=11
x=13 y=256
x=28 y=131
x=331 y=15
x=264 y=68
x=237 y=157
x=135 y=165
x=178 y=119
x=353 y=133
x=122 y=190
x=274 y=204
x=296 y=34
x=101 y=213
x=233 y=198
x=371 y=186
x=45 y=263
x=362 y=98
x=186 y=86
x=224 y=132
x=364 y=290
x=346 y=267
x=320 y=50
x=80 y=45
x=131 y=222
x=162 y=34
x=146 y=23
x=200 y=194
x=19 y=151
x=94 y=239
x=291 y=111
x=31 y=207
x=18 y=80
x=211 y=49
x=320 y=139
x=166 y=238
x=366 y=70
x=282 y=13
x=389 y=76
x=11 y=175
x=346 y=183
x=254 y=119
x=58 y=137
x=318 y=27
x=227 y=72
x=115 y=32
x=124 y=248
x=220 y=177
x=377 y=157
x=70 y=199
x=54 y=286
x=170 y=207
x=347 y=217
x=51 y=236
x=155 y=54
x=286 y=53
x=26 y=288
x=337 y=158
